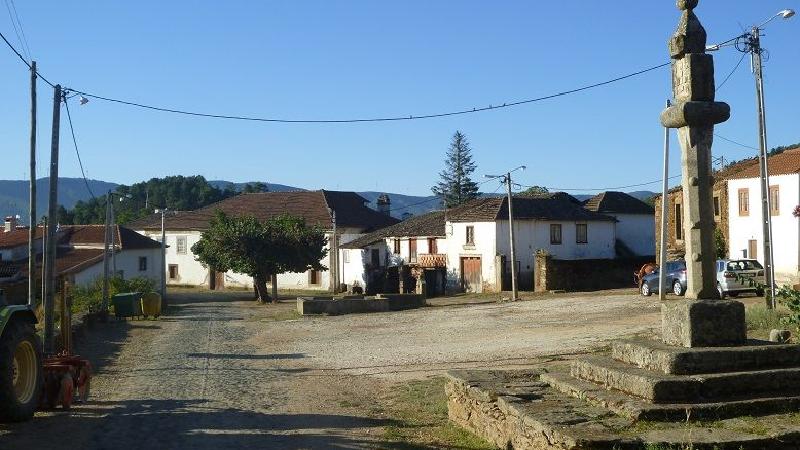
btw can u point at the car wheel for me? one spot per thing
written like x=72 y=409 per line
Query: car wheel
x=677 y=288
x=646 y=290
x=720 y=291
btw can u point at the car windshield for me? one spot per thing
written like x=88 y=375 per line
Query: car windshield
x=745 y=264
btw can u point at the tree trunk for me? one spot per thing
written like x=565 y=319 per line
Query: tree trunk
x=274 y=281
x=260 y=283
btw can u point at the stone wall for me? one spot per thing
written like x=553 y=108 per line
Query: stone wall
x=585 y=274
x=352 y=304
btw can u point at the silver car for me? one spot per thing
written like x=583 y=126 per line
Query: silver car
x=730 y=273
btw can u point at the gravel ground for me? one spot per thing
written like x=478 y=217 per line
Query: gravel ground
x=219 y=372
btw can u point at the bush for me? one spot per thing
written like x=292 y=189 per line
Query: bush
x=89 y=298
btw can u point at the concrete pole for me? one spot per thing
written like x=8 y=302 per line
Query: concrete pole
x=163 y=257
x=32 y=201
x=104 y=307
x=52 y=215
x=113 y=231
x=662 y=238
x=514 y=291
x=763 y=158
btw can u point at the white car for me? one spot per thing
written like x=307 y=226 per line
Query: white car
x=730 y=273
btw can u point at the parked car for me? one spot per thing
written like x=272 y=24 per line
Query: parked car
x=728 y=284
x=675 y=281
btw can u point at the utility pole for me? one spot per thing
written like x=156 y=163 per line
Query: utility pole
x=662 y=238
x=514 y=292
x=32 y=200
x=335 y=259
x=163 y=257
x=766 y=206
x=104 y=307
x=52 y=219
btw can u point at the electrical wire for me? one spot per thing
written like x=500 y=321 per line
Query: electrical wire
x=16 y=30
x=435 y=198
x=24 y=61
x=77 y=152
x=613 y=188
x=22 y=31
x=736 y=143
x=731 y=73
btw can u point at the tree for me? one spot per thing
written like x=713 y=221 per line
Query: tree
x=456 y=187
x=535 y=190
x=720 y=246
x=260 y=249
x=255 y=187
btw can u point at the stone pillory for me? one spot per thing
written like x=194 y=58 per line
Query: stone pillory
x=694 y=114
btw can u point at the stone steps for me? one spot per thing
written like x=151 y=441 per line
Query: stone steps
x=661 y=388
x=637 y=409
x=668 y=359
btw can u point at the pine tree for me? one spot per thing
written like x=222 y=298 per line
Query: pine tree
x=456 y=187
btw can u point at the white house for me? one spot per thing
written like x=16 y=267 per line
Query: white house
x=478 y=243
x=418 y=242
x=745 y=215
x=183 y=230
x=636 y=228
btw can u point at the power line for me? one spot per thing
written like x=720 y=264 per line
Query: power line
x=731 y=73
x=25 y=61
x=550 y=188
x=16 y=31
x=435 y=198
x=736 y=143
x=21 y=30
x=78 y=153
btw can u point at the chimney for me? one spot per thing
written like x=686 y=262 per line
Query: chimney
x=10 y=224
x=384 y=204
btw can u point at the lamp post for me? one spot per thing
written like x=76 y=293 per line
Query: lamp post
x=109 y=238
x=750 y=42
x=507 y=180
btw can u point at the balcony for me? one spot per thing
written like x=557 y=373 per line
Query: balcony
x=431 y=260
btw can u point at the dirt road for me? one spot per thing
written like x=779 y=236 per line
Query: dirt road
x=221 y=372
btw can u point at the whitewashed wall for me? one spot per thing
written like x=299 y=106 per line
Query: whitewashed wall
x=638 y=232
x=128 y=263
x=785 y=227
x=485 y=247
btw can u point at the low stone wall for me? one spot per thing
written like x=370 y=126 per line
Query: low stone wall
x=353 y=304
x=585 y=274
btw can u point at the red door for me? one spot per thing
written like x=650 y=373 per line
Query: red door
x=471 y=274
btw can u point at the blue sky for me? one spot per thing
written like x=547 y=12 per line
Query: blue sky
x=324 y=59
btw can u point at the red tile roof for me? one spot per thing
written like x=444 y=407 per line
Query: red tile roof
x=781 y=164
x=94 y=235
x=540 y=207
x=17 y=237
x=617 y=203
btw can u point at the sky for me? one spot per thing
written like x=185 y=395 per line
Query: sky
x=354 y=59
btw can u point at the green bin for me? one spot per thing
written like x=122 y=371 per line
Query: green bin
x=127 y=304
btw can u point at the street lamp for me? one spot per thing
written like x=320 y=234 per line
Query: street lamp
x=163 y=212
x=750 y=42
x=507 y=180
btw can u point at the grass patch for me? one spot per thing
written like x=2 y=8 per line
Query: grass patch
x=289 y=314
x=420 y=409
x=761 y=320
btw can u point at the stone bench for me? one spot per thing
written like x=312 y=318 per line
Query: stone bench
x=354 y=304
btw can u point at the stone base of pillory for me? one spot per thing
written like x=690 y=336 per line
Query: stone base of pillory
x=353 y=304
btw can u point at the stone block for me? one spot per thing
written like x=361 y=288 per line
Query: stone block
x=669 y=359
x=693 y=78
x=703 y=323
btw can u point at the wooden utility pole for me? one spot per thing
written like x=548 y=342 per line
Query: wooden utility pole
x=32 y=200
x=514 y=291
x=52 y=218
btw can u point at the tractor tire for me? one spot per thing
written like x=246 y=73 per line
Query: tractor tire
x=20 y=372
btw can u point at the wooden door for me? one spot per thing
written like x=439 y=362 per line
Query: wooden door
x=752 y=249
x=216 y=280
x=412 y=250
x=471 y=274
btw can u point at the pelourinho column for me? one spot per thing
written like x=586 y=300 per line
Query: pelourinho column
x=694 y=114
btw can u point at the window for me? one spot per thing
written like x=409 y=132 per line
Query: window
x=375 y=257
x=678 y=222
x=180 y=245
x=470 y=235
x=581 y=233
x=396 y=247
x=173 y=271
x=716 y=206
x=774 y=201
x=346 y=255
x=412 y=250
x=744 y=202
x=142 y=263
x=555 y=233
x=432 y=248
x=313 y=277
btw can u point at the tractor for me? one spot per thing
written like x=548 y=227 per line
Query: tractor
x=21 y=363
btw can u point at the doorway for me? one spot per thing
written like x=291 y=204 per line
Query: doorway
x=752 y=249
x=216 y=280
x=471 y=274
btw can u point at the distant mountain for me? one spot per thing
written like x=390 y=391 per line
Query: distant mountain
x=14 y=194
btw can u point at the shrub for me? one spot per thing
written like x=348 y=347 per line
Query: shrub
x=89 y=298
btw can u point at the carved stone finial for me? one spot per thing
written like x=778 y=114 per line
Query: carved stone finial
x=687 y=4
x=690 y=37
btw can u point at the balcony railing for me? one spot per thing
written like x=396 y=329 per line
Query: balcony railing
x=432 y=260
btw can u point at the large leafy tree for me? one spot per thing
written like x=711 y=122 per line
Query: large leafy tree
x=261 y=249
x=456 y=186
x=535 y=190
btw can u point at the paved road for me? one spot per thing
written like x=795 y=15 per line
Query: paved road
x=189 y=381
x=219 y=372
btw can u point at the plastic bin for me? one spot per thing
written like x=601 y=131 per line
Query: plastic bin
x=127 y=304
x=151 y=304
